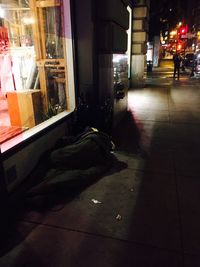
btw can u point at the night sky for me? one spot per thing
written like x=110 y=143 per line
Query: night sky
x=166 y=14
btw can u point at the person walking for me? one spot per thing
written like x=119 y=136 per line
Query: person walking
x=177 y=62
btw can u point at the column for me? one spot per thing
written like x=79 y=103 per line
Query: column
x=140 y=23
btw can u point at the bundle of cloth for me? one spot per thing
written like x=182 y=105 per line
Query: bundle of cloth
x=76 y=162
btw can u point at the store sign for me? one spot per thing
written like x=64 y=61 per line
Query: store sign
x=184 y=36
x=188 y=36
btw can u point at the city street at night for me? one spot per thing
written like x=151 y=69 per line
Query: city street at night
x=145 y=211
x=100 y=133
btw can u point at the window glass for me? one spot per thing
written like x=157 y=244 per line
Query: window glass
x=33 y=71
x=54 y=30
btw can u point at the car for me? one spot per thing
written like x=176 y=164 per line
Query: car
x=188 y=60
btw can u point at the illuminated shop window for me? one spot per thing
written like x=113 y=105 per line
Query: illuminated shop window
x=33 y=62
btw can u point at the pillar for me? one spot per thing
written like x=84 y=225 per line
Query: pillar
x=140 y=23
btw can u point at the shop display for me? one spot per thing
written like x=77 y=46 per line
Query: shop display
x=54 y=44
x=6 y=74
x=32 y=57
x=23 y=66
x=50 y=54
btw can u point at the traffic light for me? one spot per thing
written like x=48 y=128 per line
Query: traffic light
x=183 y=29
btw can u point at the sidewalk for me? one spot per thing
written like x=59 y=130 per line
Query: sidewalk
x=148 y=213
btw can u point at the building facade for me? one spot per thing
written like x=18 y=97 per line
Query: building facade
x=37 y=91
x=62 y=60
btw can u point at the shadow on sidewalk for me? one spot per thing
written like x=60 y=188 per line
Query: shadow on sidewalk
x=127 y=135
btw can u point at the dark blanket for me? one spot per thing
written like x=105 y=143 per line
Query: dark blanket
x=77 y=165
x=90 y=149
x=60 y=181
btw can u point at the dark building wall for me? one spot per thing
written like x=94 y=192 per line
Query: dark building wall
x=113 y=21
x=85 y=46
x=100 y=28
x=196 y=16
x=100 y=31
x=2 y=182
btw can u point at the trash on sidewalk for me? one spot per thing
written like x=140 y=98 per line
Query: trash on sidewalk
x=118 y=217
x=95 y=201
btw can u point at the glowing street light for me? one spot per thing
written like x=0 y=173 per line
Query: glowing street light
x=174 y=32
x=179 y=46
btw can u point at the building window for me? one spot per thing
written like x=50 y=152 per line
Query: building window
x=35 y=68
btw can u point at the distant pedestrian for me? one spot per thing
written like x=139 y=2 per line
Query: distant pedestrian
x=194 y=66
x=163 y=53
x=177 y=62
x=182 y=63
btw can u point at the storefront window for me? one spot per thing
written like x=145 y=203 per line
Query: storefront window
x=33 y=63
x=54 y=32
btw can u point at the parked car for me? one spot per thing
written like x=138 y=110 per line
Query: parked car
x=188 y=60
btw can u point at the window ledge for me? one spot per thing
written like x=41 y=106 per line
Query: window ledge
x=11 y=143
